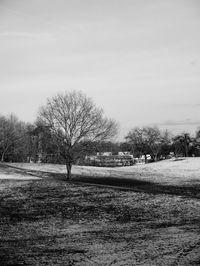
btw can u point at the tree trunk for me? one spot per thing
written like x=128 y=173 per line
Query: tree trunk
x=186 y=145
x=155 y=158
x=186 y=148
x=2 y=157
x=69 y=170
x=145 y=157
x=4 y=152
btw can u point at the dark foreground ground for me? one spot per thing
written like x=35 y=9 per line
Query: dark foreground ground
x=54 y=222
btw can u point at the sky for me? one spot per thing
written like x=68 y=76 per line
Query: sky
x=139 y=60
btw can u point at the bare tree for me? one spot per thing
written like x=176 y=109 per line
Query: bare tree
x=183 y=144
x=73 y=118
x=156 y=139
x=11 y=131
x=148 y=140
x=138 y=140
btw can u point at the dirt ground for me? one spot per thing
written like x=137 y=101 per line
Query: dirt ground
x=139 y=215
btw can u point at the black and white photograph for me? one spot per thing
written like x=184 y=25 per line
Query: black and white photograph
x=99 y=132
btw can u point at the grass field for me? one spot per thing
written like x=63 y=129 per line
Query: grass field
x=139 y=215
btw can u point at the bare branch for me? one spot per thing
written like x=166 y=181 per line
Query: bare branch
x=73 y=118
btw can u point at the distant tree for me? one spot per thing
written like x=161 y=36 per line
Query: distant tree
x=148 y=140
x=73 y=118
x=137 y=139
x=125 y=146
x=157 y=140
x=42 y=143
x=198 y=134
x=106 y=146
x=197 y=142
x=183 y=144
x=20 y=148
x=11 y=132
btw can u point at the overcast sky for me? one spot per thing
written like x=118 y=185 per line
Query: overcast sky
x=138 y=59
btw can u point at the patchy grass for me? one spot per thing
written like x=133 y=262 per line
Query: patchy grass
x=49 y=221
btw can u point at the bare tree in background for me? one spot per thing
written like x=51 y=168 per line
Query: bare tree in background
x=148 y=140
x=72 y=118
x=183 y=143
x=11 y=132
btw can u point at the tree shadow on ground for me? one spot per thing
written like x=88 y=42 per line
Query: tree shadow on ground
x=136 y=185
x=124 y=183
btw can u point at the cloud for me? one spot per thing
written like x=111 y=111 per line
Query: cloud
x=184 y=122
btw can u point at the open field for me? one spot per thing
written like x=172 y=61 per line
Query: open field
x=139 y=215
x=172 y=171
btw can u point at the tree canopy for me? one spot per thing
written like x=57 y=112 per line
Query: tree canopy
x=148 y=140
x=72 y=118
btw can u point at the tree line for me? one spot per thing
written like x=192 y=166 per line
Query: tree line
x=70 y=126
